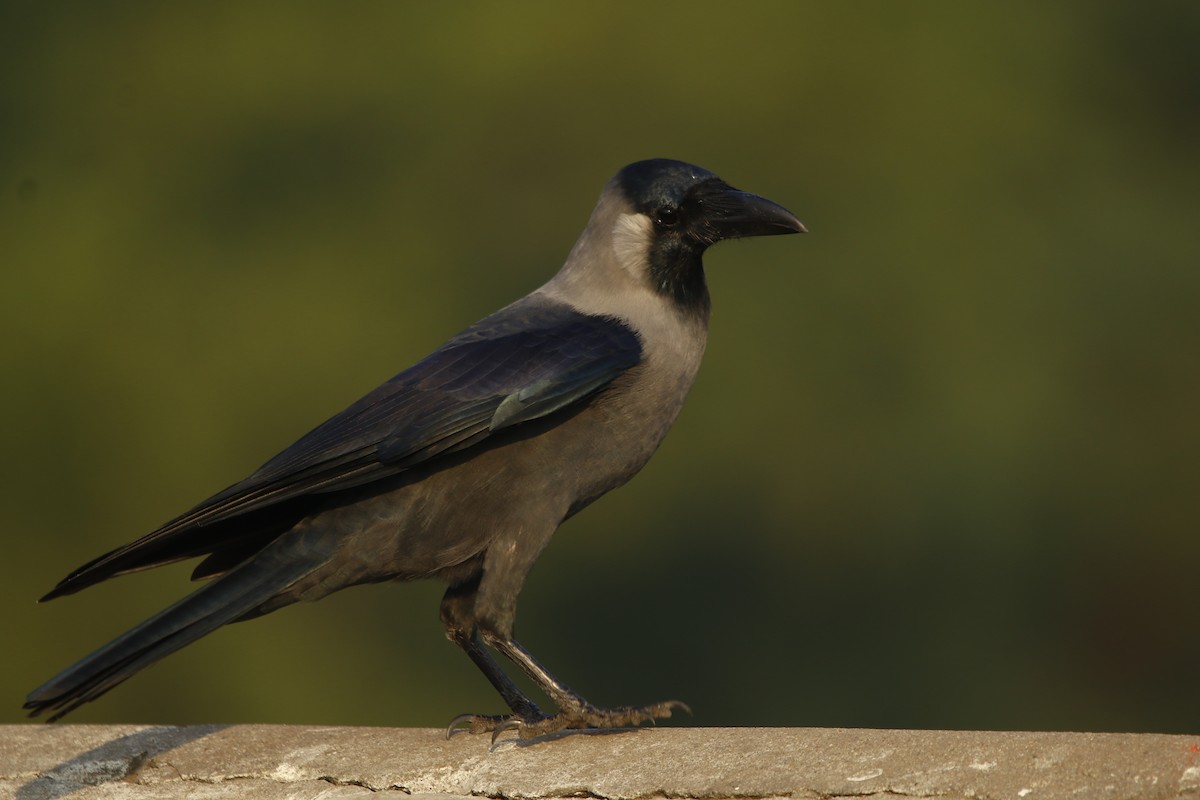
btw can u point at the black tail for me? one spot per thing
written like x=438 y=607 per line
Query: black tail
x=227 y=599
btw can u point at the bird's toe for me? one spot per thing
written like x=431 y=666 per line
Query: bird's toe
x=495 y=724
x=589 y=717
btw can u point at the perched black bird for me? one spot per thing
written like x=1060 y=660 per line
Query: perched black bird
x=462 y=466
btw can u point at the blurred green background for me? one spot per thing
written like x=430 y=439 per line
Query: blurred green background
x=939 y=470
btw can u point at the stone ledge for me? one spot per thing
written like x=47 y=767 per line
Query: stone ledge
x=86 y=762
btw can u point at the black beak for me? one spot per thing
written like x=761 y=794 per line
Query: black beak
x=733 y=214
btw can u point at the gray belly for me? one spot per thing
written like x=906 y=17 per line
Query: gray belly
x=434 y=520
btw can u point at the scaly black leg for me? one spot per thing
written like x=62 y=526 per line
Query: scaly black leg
x=455 y=613
x=485 y=607
x=574 y=712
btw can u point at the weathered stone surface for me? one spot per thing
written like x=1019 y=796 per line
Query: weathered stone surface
x=261 y=761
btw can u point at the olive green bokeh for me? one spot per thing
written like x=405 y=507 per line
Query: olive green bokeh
x=939 y=470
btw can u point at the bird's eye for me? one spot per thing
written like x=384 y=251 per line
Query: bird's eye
x=666 y=217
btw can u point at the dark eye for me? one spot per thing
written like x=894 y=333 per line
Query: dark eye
x=666 y=216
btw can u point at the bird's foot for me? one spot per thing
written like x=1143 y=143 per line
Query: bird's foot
x=588 y=717
x=494 y=723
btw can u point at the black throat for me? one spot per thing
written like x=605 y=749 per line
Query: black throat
x=677 y=271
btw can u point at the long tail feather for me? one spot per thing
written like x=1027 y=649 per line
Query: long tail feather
x=224 y=600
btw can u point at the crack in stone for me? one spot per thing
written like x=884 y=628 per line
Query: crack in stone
x=877 y=793
x=361 y=784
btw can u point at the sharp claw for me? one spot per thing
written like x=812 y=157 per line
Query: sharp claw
x=510 y=724
x=478 y=723
x=454 y=723
x=671 y=705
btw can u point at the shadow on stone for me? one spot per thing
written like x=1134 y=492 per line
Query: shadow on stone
x=518 y=743
x=117 y=760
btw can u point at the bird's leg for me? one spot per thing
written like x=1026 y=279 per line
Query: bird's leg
x=525 y=711
x=575 y=713
x=490 y=604
x=460 y=629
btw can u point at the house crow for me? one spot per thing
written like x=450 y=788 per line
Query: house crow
x=461 y=467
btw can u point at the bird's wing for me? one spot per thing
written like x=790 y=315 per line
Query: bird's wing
x=522 y=363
